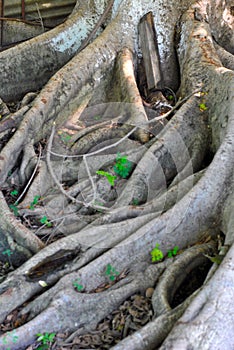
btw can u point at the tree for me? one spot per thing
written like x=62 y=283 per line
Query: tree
x=178 y=188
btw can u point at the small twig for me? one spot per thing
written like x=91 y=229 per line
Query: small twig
x=84 y=156
x=39 y=15
x=100 y=150
x=178 y=104
x=51 y=171
x=94 y=127
x=166 y=115
x=74 y=200
x=11 y=19
x=79 y=217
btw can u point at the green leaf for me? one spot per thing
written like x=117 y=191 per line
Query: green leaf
x=156 y=254
x=40 y=336
x=14 y=209
x=77 y=285
x=202 y=107
x=170 y=254
x=111 y=178
x=108 y=269
x=34 y=202
x=111 y=272
x=135 y=201
x=43 y=347
x=44 y=220
x=7 y=252
x=14 y=193
x=122 y=166
x=51 y=337
x=175 y=250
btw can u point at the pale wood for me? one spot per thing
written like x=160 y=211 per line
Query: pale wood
x=149 y=47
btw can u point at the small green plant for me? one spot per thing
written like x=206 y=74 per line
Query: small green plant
x=172 y=252
x=203 y=107
x=122 y=166
x=46 y=340
x=14 y=193
x=77 y=285
x=14 y=208
x=97 y=117
x=65 y=137
x=111 y=272
x=108 y=176
x=45 y=221
x=135 y=202
x=34 y=202
x=7 y=252
x=156 y=254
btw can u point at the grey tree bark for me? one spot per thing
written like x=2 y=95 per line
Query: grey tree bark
x=179 y=191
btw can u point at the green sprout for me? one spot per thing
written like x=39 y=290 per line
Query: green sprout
x=156 y=254
x=122 y=166
x=111 y=272
x=34 y=202
x=46 y=340
x=45 y=221
x=203 y=107
x=172 y=252
x=108 y=176
x=7 y=252
x=135 y=201
x=14 y=193
x=65 y=137
x=14 y=208
x=77 y=285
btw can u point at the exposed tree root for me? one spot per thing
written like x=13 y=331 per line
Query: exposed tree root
x=172 y=278
x=208 y=318
x=172 y=196
x=49 y=50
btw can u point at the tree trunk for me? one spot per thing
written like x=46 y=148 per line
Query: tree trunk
x=94 y=175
